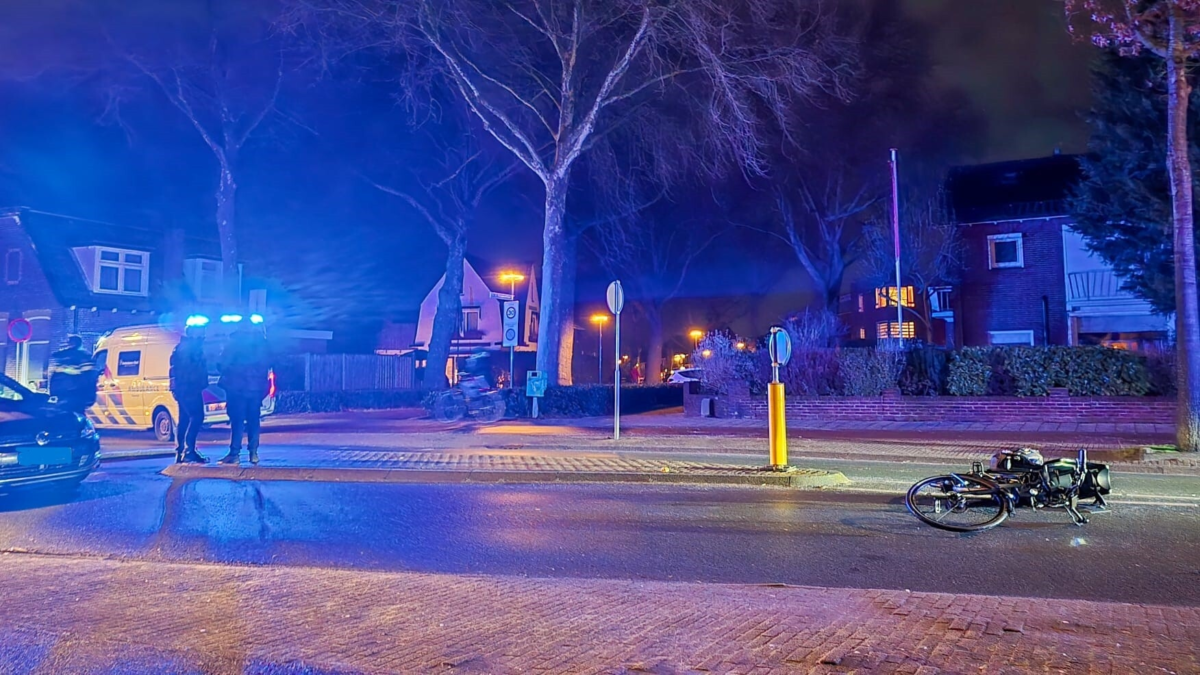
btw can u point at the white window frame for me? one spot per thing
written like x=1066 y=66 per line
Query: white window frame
x=1011 y=236
x=1025 y=334
x=122 y=266
x=478 y=312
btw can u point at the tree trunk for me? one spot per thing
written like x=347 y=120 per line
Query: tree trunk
x=226 y=212
x=566 y=350
x=1187 y=312
x=448 y=315
x=655 y=354
x=555 y=254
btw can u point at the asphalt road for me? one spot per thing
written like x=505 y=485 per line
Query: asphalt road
x=1136 y=553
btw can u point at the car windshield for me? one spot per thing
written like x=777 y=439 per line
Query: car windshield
x=11 y=392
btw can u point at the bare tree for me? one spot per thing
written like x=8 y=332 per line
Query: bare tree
x=827 y=239
x=547 y=78
x=453 y=178
x=223 y=72
x=931 y=255
x=652 y=255
x=1169 y=29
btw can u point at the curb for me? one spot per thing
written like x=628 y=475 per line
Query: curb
x=797 y=478
x=130 y=455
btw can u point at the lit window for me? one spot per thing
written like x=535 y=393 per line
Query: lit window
x=885 y=330
x=1005 y=250
x=121 y=272
x=861 y=304
x=862 y=332
x=886 y=297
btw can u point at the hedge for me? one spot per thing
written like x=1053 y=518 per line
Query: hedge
x=923 y=370
x=593 y=400
x=291 y=402
x=1033 y=371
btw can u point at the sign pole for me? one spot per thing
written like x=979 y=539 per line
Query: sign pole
x=616 y=302
x=617 y=377
x=779 y=346
x=512 y=372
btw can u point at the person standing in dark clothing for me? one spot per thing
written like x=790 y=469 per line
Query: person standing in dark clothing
x=245 y=368
x=189 y=379
x=73 y=376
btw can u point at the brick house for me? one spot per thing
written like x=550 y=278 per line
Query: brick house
x=1028 y=278
x=67 y=275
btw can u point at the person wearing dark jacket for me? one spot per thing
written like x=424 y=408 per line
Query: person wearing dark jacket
x=189 y=379
x=245 y=368
x=73 y=376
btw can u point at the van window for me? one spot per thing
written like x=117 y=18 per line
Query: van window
x=129 y=363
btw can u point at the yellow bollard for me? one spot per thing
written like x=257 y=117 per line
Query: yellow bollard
x=777 y=421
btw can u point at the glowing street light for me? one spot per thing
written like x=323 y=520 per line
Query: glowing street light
x=696 y=334
x=706 y=353
x=511 y=278
x=600 y=320
x=741 y=346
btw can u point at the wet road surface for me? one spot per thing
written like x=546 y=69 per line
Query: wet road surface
x=1136 y=553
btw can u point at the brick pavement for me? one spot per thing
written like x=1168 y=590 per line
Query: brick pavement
x=84 y=615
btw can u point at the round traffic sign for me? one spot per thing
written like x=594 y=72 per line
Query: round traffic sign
x=20 y=330
x=510 y=335
x=779 y=346
x=616 y=297
x=510 y=312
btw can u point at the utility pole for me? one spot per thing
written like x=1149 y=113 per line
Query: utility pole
x=896 y=241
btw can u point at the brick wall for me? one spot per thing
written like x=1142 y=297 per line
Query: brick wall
x=1011 y=298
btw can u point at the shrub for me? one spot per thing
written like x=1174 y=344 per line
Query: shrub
x=291 y=402
x=869 y=372
x=593 y=400
x=1033 y=371
x=969 y=372
x=926 y=371
x=724 y=368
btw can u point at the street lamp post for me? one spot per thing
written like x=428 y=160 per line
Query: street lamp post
x=696 y=334
x=600 y=320
x=512 y=278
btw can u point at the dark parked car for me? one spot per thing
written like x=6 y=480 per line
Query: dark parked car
x=42 y=445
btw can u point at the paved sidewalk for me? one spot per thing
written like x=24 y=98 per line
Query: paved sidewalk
x=77 y=615
x=307 y=464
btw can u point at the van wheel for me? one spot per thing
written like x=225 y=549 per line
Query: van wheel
x=164 y=426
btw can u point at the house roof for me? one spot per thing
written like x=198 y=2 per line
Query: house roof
x=1029 y=188
x=54 y=237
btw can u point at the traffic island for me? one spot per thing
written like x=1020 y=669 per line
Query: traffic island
x=405 y=468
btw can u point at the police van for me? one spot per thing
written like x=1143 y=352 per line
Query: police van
x=134 y=388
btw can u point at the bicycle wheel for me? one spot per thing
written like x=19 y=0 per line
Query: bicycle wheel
x=957 y=503
x=491 y=408
x=449 y=407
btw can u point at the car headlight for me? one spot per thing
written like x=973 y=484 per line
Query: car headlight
x=86 y=429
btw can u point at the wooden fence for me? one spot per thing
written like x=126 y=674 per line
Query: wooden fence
x=346 y=372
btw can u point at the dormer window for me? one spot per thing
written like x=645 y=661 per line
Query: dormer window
x=120 y=271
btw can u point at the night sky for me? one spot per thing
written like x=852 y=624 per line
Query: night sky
x=1013 y=58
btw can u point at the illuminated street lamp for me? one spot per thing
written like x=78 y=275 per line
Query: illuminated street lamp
x=511 y=278
x=600 y=320
x=696 y=334
x=706 y=353
x=741 y=346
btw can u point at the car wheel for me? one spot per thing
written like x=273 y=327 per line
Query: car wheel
x=164 y=426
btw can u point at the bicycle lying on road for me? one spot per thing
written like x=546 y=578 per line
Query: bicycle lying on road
x=469 y=401
x=982 y=499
